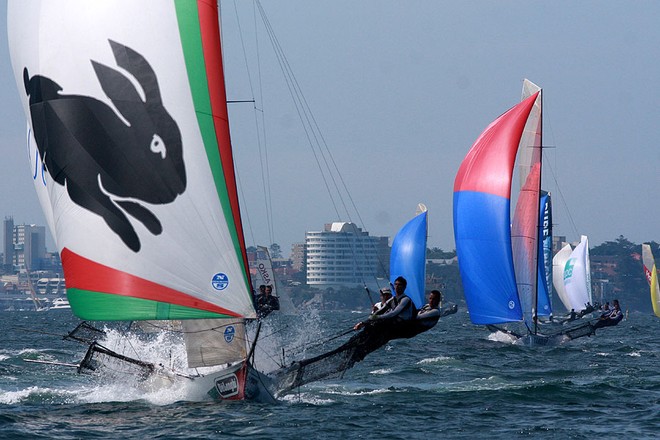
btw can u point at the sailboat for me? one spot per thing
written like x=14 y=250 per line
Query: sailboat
x=265 y=275
x=38 y=305
x=651 y=274
x=407 y=259
x=573 y=276
x=498 y=258
x=129 y=134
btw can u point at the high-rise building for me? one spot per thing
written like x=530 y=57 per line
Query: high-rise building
x=29 y=247
x=297 y=256
x=8 y=241
x=344 y=255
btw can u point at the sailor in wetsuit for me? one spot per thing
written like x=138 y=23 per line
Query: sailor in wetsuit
x=428 y=316
x=611 y=317
x=382 y=327
x=266 y=301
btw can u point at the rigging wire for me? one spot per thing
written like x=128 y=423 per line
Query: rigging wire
x=320 y=149
x=335 y=184
x=548 y=129
x=563 y=199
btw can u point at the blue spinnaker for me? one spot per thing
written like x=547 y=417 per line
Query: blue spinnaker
x=408 y=257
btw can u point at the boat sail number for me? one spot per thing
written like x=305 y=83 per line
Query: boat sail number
x=220 y=281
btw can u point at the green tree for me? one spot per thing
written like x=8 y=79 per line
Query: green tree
x=628 y=283
x=438 y=253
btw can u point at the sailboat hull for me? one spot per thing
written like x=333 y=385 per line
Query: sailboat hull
x=236 y=382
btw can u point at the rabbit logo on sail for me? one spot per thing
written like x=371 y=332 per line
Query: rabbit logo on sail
x=110 y=161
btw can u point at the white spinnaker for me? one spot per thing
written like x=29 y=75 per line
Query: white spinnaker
x=59 y=40
x=577 y=276
x=651 y=274
x=558 y=265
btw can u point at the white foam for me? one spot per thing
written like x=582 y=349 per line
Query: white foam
x=434 y=360
x=306 y=398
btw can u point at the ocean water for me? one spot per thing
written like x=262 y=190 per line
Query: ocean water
x=455 y=381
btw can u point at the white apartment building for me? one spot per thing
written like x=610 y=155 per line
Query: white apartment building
x=344 y=255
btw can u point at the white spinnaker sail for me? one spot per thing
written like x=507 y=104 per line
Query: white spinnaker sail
x=577 y=276
x=558 y=265
x=40 y=180
x=648 y=261
x=650 y=272
x=69 y=43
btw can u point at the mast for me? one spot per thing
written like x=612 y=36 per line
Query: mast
x=536 y=270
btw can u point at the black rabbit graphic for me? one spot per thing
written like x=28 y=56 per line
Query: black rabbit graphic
x=108 y=161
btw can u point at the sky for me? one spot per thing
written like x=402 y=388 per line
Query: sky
x=400 y=90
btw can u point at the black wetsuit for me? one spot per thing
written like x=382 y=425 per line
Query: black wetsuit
x=266 y=304
x=608 y=319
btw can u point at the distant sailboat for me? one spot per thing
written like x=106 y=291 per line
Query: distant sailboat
x=576 y=276
x=651 y=274
x=266 y=276
x=482 y=221
x=499 y=259
x=558 y=265
x=130 y=129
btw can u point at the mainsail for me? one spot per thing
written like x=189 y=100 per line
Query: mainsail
x=651 y=274
x=524 y=229
x=130 y=126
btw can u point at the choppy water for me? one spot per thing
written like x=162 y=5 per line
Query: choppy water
x=452 y=382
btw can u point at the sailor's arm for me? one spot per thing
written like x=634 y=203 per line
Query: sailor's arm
x=405 y=302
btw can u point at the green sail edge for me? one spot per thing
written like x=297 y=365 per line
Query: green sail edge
x=98 y=306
